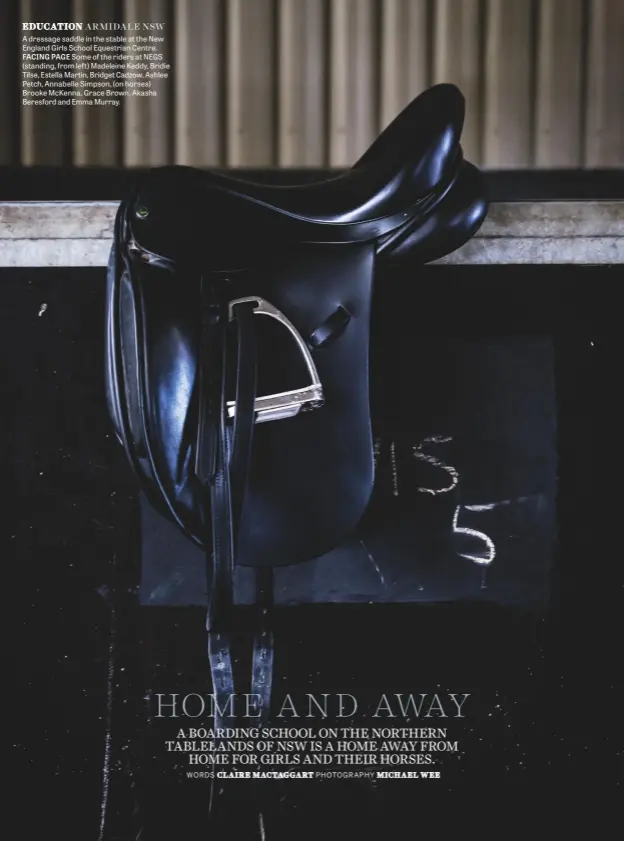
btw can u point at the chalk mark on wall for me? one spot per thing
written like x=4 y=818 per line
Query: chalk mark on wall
x=436 y=462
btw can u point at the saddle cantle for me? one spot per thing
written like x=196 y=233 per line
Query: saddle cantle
x=237 y=346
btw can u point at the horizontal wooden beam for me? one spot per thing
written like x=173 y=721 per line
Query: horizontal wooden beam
x=79 y=234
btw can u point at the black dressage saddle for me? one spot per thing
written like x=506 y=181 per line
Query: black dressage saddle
x=237 y=332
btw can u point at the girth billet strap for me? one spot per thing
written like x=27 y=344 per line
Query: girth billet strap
x=230 y=466
x=263 y=647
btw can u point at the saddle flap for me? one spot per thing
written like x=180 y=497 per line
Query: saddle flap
x=311 y=476
x=311 y=470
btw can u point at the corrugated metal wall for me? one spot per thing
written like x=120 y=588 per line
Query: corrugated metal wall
x=296 y=83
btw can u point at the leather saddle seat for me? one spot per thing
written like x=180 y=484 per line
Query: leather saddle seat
x=402 y=166
x=188 y=243
x=404 y=175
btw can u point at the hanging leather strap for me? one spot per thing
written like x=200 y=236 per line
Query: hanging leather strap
x=227 y=491
x=230 y=468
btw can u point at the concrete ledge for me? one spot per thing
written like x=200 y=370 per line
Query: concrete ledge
x=577 y=250
x=78 y=234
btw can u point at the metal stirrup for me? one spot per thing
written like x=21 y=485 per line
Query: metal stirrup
x=285 y=404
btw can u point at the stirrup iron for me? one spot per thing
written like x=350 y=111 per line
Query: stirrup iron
x=284 y=404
